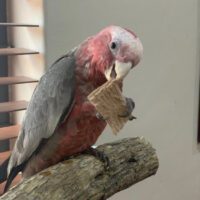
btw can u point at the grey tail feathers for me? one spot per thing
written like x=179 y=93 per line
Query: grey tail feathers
x=9 y=178
x=13 y=174
x=15 y=170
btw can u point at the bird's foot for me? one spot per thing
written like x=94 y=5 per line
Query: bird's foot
x=99 y=155
x=130 y=105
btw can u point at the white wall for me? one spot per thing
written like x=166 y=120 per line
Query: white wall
x=164 y=86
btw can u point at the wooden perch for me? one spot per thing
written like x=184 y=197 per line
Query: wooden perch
x=85 y=177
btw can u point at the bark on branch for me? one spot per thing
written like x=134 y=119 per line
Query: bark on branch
x=85 y=177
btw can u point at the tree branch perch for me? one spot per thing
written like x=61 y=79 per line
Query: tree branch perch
x=85 y=177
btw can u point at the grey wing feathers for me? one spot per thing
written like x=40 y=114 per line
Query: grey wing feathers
x=51 y=100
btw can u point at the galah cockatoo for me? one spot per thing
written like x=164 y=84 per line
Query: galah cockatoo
x=60 y=121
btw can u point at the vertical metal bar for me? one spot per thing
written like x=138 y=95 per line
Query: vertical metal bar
x=4 y=117
x=198 y=61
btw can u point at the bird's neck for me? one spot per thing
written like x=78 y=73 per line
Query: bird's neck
x=89 y=66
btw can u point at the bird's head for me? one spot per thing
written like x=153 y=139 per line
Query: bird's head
x=114 y=51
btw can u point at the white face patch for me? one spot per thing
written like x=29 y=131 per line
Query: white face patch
x=119 y=34
x=121 y=70
x=127 y=52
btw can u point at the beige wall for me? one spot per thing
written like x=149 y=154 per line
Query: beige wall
x=30 y=12
x=164 y=86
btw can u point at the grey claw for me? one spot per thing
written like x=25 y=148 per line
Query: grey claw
x=124 y=115
x=132 y=117
x=99 y=155
x=130 y=104
x=99 y=116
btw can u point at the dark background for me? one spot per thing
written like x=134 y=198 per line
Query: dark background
x=4 y=117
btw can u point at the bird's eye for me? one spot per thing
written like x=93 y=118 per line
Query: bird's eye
x=113 y=45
